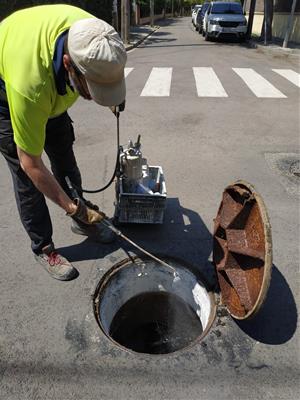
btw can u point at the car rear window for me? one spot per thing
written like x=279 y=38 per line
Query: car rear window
x=227 y=8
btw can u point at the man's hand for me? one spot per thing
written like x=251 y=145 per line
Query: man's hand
x=119 y=108
x=85 y=214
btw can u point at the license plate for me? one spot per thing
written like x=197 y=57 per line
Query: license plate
x=228 y=30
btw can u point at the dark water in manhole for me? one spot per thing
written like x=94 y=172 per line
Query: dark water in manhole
x=155 y=323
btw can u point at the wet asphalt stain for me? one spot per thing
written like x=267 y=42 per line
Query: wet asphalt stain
x=84 y=338
x=286 y=167
x=75 y=335
x=113 y=259
x=217 y=333
x=219 y=349
x=225 y=344
x=258 y=366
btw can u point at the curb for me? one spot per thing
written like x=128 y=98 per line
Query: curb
x=131 y=46
x=274 y=49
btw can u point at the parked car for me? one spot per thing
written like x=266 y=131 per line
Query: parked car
x=194 y=13
x=224 y=18
x=200 y=16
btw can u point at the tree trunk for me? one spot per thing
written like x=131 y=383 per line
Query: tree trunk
x=289 y=25
x=266 y=30
x=251 y=17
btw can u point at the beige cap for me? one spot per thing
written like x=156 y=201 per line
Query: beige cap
x=99 y=53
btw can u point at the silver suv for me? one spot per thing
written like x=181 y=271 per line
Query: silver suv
x=224 y=18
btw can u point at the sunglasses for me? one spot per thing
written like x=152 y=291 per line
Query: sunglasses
x=76 y=69
x=80 y=82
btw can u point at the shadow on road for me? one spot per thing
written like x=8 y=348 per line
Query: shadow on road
x=88 y=250
x=184 y=235
x=167 y=22
x=276 y=322
x=181 y=225
x=163 y=41
x=158 y=38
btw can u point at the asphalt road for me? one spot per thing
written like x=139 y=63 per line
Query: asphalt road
x=50 y=344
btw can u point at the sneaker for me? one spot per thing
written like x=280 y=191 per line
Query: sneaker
x=96 y=232
x=57 y=265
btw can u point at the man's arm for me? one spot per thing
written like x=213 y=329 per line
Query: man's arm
x=44 y=181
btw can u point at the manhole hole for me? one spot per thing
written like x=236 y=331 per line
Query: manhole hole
x=147 y=308
x=295 y=169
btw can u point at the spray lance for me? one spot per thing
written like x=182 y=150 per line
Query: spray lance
x=110 y=226
x=106 y=222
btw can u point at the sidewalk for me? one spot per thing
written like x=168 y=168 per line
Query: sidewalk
x=138 y=34
x=275 y=47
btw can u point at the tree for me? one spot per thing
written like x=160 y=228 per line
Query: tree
x=290 y=24
x=251 y=17
x=100 y=8
x=266 y=31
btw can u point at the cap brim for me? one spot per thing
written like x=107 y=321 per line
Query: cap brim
x=107 y=95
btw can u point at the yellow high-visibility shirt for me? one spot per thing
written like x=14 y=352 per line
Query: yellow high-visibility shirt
x=27 y=46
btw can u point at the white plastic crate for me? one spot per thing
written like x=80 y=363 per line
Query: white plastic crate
x=142 y=208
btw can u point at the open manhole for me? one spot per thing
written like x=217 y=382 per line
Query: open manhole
x=145 y=307
x=149 y=308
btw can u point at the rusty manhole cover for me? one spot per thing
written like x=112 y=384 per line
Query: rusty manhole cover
x=242 y=250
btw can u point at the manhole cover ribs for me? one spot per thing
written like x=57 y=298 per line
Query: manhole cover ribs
x=239 y=249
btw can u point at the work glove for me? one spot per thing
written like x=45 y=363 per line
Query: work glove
x=121 y=107
x=86 y=214
x=91 y=205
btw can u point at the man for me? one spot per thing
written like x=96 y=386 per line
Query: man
x=49 y=55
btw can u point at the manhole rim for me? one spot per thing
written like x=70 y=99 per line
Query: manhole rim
x=212 y=295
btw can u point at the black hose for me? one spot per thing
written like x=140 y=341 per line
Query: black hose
x=110 y=181
x=116 y=166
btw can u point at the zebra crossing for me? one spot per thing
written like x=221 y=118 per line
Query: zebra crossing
x=290 y=75
x=207 y=83
x=158 y=83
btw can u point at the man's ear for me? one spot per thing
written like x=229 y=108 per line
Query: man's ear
x=67 y=62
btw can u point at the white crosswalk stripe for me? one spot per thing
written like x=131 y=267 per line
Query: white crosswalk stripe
x=127 y=71
x=207 y=83
x=158 y=83
x=290 y=75
x=257 y=84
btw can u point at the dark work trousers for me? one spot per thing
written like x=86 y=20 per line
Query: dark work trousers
x=31 y=203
